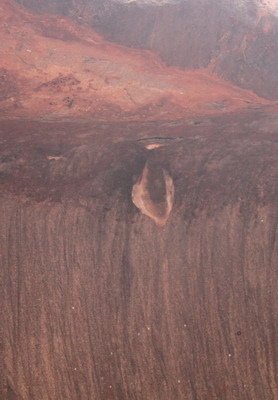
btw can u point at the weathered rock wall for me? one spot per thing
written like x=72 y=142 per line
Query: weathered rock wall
x=99 y=306
x=101 y=303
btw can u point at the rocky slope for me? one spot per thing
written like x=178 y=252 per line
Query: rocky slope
x=237 y=40
x=51 y=67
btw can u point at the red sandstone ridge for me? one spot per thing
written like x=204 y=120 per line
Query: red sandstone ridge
x=51 y=67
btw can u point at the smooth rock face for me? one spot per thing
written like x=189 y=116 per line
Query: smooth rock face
x=138 y=204
x=237 y=40
x=99 y=303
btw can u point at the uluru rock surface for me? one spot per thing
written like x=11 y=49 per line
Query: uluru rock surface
x=99 y=301
x=138 y=213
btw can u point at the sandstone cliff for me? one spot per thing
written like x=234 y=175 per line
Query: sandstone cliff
x=99 y=301
x=138 y=204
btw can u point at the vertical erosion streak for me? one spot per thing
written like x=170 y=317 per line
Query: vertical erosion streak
x=153 y=194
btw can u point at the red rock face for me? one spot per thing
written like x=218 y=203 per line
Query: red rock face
x=98 y=289
x=138 y=245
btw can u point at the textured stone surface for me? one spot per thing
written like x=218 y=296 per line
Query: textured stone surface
x=51 y=67
x=101 y=303
x=153 y=193
x=98 y=300
x=236 y=39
